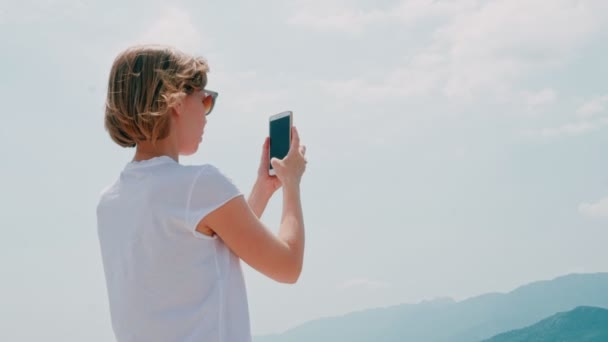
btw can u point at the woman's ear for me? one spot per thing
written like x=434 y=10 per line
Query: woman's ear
x=176 y=110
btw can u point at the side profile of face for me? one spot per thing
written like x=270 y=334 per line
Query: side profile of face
x=190 y=119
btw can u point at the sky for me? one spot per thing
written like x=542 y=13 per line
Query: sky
x=455 y=147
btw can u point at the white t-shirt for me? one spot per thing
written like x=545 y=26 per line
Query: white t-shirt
x=166 y=281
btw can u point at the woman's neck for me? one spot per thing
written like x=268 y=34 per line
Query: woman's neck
x=165 y=147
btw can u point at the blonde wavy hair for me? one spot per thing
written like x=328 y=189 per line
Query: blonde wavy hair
x=145 y=82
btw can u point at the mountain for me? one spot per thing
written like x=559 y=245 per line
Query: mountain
x=473 y=319
x=583 y=324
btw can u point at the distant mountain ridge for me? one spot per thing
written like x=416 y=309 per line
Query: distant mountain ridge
x=583 y=324
x=473 y=319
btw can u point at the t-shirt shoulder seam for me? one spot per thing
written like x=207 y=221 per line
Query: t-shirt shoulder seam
x=191 y=190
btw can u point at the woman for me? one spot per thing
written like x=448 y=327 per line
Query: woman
x=172 y=236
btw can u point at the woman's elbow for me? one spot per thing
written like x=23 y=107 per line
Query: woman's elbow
x=292 y=275
x=290 y=279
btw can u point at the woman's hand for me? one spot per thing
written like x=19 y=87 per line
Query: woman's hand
x=291 y=168
x=269 y=184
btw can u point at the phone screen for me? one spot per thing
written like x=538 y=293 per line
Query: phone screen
x=280 y=130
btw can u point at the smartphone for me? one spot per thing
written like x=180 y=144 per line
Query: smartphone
x=280 y=136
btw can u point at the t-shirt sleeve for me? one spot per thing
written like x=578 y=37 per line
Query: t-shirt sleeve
x=210 y=190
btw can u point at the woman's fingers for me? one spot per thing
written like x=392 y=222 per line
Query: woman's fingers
x=295 y=137
x=275 y=162
x=265 y=157
x=266 y=150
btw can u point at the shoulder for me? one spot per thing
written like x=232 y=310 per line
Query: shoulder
x=181 y=176
x=206 y=170
x=107 y=192
x=210 y=189
x=210 y=176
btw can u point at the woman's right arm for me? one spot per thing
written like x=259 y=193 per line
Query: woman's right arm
x=280 y=256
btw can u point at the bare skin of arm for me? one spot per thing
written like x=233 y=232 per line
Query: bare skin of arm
x=237 y=223
x=265 y=185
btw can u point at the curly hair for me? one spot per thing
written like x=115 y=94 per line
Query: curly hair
x=145 y=82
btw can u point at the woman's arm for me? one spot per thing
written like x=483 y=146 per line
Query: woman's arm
x=259 y=197
x=280 y=256
x=265 y=185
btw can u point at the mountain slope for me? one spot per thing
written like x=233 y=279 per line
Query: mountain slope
x=583 y=324
x=469 y=320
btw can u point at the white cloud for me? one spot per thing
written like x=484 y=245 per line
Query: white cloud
x=544 y=97
x=541 y=98
x=174 y=27
x=342 y=17
x=476 y=47
x=248 y=96
x=364 y=283
x=512 y=27
x=535 y=103
x=574 y=128
x=252 y=101
x=568 y=129
x=493 y=45
x=409 y=12
x=592 y=107
x=594 y=210
x=347 y=21
x=584 y=123
x=419 y=77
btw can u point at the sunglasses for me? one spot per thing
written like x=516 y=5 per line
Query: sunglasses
x=209 y=98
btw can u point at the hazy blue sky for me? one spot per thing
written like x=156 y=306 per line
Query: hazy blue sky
x=455 y=147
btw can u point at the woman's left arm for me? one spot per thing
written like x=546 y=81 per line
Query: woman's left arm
x=265 y=185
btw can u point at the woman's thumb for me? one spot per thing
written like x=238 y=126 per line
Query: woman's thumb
x=274 y=162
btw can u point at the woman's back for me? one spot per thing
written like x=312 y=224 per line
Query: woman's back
x=165 y=280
